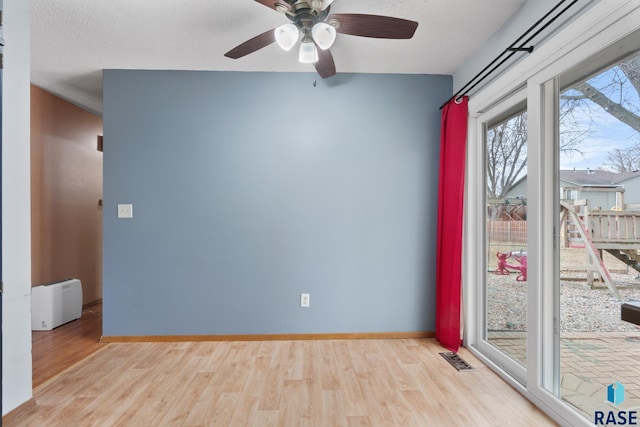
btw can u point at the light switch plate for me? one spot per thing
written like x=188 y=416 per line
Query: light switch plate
x=305 y=299
x=125 y=211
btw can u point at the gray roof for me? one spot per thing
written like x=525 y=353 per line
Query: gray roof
x=596 y=177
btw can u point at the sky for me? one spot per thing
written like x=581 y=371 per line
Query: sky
x=606 y=132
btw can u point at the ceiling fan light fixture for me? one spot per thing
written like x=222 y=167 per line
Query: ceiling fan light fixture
x=324 y=35
x=287 y=36
x=308 y=53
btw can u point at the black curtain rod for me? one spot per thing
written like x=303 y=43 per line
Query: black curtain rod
x=515 y=47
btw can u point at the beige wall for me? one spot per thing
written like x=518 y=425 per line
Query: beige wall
x=66 y=186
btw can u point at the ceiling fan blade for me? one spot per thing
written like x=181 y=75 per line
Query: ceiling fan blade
x=325 y=66
x=251 y=45
x=375 y=26
x=275 y=4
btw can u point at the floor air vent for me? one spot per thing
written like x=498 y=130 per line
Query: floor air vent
x=457 y=362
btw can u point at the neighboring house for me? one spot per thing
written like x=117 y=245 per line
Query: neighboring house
x=519 y=189
x=603 y=190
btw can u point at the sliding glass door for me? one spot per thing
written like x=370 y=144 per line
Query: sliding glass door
x=553 y=228
x=504 y=280
x=598 y=208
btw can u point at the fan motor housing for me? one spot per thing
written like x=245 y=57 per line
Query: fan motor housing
x=304 y=16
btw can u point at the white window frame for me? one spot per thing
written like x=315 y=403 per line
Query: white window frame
x=605 y=23
x=494 y=114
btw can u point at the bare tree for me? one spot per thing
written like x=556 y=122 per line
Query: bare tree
x=617 y=95
x=627 y=160
x=507 y=148
x=507 y=154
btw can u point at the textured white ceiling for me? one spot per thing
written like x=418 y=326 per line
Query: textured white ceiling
x=72 y=41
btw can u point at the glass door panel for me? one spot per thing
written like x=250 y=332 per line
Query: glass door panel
x=599 y=235
x=505 y=290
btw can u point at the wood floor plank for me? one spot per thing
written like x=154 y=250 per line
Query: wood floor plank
x=295 y=409
x=333 y=408
x=376 y=394
x=246 y=411
x=301 y=383
x=359 y=421
x=225 y=408
x=354 y=398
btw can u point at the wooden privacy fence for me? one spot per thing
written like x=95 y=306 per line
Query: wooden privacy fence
x=507 y=231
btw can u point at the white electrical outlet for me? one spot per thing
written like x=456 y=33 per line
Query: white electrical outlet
x=304 y=300
x=125 y=211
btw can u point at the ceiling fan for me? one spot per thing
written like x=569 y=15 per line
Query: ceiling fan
x=316 y=28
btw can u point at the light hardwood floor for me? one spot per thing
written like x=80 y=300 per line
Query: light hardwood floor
x=277 y=383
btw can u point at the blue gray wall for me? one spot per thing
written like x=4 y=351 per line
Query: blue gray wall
x=250 y=188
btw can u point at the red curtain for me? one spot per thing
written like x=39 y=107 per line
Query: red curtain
x=453 y=141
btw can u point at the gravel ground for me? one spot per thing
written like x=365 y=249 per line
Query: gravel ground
x=583 y=309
